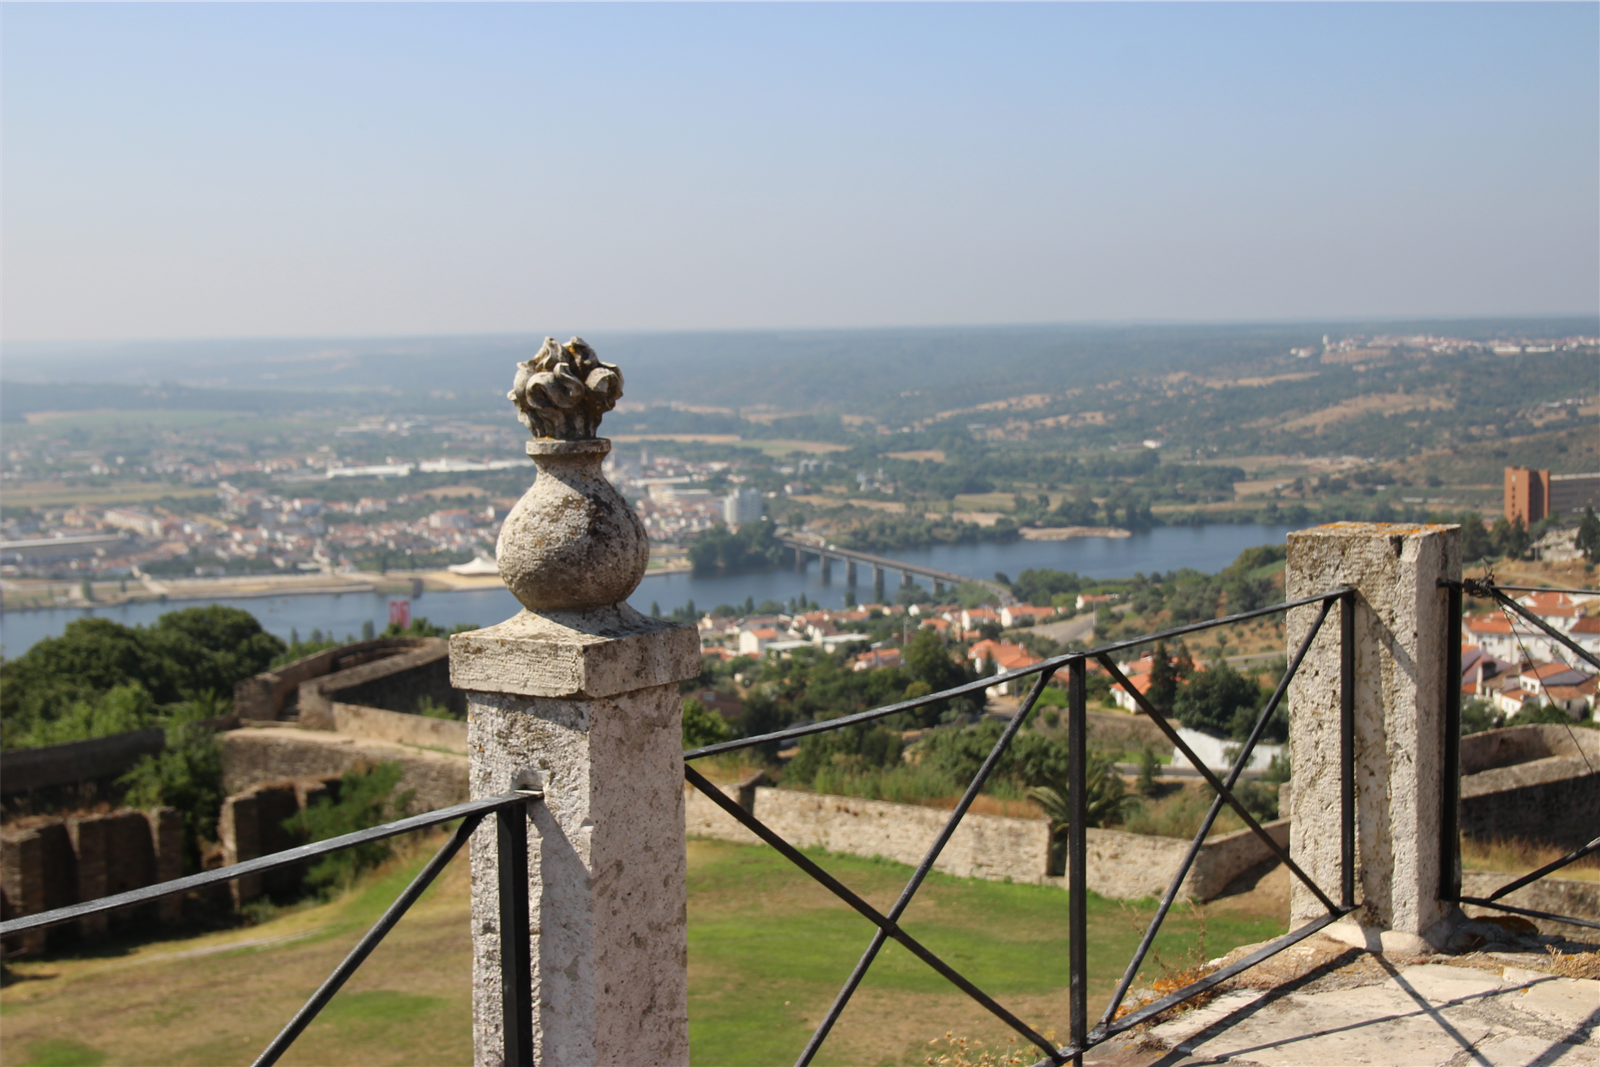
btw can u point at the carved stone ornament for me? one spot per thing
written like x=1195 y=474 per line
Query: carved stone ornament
x=563 y=391
x=571 y=542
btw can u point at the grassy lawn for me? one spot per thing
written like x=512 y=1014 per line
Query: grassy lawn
x=768 y=950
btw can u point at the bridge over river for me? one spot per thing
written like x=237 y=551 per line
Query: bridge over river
x=804 y=548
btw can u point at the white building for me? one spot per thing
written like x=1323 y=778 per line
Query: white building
x=741 y=507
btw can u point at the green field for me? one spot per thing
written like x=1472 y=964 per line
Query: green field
x=768 y=950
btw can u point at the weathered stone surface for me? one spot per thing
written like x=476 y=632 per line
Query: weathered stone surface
x=1425 y=1015
x=1401 y=634
x=571 y=542
x=564 y=390
x=418 y=730
x=607 y=870
x=595 y=653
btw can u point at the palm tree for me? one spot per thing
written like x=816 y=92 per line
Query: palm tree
x=1105 y=801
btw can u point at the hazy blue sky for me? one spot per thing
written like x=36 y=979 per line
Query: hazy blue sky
x=192 y=170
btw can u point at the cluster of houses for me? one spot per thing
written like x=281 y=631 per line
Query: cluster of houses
x=1510 y=664
x=1506 y=661
x=776 y=635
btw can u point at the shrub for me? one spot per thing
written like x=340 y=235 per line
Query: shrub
x=187 y=775
x=702 y=726
x=364 y=801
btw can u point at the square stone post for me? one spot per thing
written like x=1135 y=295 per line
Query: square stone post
x=584 y=705
x=1401 y=634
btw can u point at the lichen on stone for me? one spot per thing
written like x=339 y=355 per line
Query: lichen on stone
x=564 y=390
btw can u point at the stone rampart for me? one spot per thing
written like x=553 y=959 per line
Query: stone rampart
x=256 y=755
x=1558 y=896
x=49 y=862
x=996 y=848
x=253 y=824
x=1530 y=783
x=379 y=725
x=389 y=672
x=26 y=769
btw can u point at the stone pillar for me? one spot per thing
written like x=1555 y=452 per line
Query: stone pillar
x=850 y=573
x=90 y=842
x=577 y=697
x=1401 y=635
x=38 y=872
x=799 y=561
x=825 y=569
x=586 y=708
x=166 y=837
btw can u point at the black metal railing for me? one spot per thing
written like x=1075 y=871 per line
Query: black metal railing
x=1111 y=1023
x=515 y=949
x=1450 y=824
x=511 y=822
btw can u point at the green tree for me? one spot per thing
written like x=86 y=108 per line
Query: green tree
x=186 y=775
x=927 y=660
x=702 y=726
x=1213 y=697
x=1163 y=679
x=1106 y=802
x=1149 y=768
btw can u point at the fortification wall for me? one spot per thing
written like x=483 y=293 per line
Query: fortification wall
x=256 y=755
x=361 y=668
x=50 y=862
x=379 y=725
x=1558 y=896
x=1129 y=866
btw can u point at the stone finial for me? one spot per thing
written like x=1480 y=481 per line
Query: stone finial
x=563 y=392
x=571 y=543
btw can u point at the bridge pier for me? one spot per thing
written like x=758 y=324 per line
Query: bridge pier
x=850 y=573
x=877 y=584
x=938 y=588
x=905 y=579
x=825 y=567
x=800 y=561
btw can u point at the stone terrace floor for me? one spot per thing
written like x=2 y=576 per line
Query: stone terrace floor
x=1325 y=1004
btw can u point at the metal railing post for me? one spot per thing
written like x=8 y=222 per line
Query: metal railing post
x=1077 y=848
x=1347 y=750
x=516 y=961
x=1450 y=791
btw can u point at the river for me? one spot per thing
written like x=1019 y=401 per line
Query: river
x=1205 y=548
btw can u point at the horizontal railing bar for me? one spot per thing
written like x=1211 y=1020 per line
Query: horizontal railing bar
x=1048 y=666
x=144 y=894
x=1574 y=920
x=1555 y=865
x=867 y=911
x=368 y=942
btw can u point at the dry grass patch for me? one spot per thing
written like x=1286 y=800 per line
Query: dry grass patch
x=1517 y=856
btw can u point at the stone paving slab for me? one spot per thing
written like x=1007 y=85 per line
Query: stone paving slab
x=1361 y=1009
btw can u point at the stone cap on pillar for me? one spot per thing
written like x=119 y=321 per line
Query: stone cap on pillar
x=597 y=653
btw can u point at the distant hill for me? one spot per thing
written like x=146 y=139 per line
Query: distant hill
x=890 y=373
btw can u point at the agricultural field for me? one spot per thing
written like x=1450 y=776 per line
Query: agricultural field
x=768 y=950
